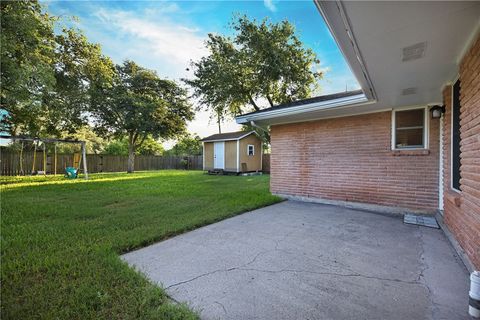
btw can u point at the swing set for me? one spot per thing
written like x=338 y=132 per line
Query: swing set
x=71 y=172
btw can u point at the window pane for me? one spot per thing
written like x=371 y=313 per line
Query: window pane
x=409 y=118
x=410 y=138
x=250 y=150
x=409 y=128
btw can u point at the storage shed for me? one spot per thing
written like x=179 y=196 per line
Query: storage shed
x=232 y=152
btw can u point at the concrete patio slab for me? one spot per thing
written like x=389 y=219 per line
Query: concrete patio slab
x=298 y=260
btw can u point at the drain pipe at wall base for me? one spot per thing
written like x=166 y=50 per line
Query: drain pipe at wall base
x=474 y=295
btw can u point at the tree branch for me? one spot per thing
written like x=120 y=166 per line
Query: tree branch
x=141 y=141
x=269 y=100
x=252 y=102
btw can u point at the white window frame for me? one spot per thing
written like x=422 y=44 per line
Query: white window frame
x=248 y=150
x=451 y=134
x=426 y=129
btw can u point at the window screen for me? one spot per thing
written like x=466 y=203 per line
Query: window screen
x=456 y=136
x=409 y=129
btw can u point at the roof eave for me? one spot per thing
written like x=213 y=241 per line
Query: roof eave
x=338 y=23
x=316 y=106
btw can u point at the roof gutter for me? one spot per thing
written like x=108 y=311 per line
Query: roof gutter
x=316 y=106
x=335 y=17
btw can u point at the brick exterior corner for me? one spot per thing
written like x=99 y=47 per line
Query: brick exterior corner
x=462 y=210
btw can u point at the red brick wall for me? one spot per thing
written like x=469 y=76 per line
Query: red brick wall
x=462 y=210
x=350 y=159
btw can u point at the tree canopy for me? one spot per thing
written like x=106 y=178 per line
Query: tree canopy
x=137 y=104
x=119 y=147
x=187 y=145
x=45 y=76
x=262 y=65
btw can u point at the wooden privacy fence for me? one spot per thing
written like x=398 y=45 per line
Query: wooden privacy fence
x=10 y=164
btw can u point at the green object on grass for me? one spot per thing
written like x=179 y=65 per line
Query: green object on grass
x=71 y=173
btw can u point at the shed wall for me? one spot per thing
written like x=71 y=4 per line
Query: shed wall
x=254 y=162
x=208 y=155
x=231 y=156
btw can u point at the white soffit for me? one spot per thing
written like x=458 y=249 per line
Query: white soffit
x=402 y=53
x=409 y=49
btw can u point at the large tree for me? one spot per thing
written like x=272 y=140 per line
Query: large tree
x=45 y=75
x=187 y=145
x=119 y=147
x=263 y=64
x=137 y=104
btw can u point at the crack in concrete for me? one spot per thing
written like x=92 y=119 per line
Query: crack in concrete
x=242 y=267
x=331 y=274
x=421 y=277
x=218 y=270
x=222 y=306
x=277 y=244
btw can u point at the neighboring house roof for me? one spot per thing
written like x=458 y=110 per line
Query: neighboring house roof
x=227 y=136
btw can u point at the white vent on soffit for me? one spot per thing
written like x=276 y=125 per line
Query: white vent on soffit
x=414 y=52
x=409 y=91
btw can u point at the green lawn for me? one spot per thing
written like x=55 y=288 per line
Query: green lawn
x=61 y=240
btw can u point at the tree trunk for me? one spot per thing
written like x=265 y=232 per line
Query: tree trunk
x=131 y=158
x=219 y=121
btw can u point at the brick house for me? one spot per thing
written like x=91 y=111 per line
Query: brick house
x=409 y=140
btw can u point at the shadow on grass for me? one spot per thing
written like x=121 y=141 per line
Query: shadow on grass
x=32 y=181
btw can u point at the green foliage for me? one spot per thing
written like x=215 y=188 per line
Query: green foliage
x=187 y=145
x=78 y=64
x=46 y=77
x=117 y=147
x=27 y=55
x=94 y=144
x=61 y=239
x=138 y=104
x=263 y=61
x=150 y=147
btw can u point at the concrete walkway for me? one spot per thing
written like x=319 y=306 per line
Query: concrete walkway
x=297 y=260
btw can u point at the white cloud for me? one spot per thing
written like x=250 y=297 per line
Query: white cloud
x=168 y=47
x=168 y=44
x=270 y=5
x=170 y=7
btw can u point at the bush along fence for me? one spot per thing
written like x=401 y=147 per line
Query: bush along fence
x=10 y=164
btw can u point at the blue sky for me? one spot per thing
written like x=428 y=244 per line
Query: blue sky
x=167 y=35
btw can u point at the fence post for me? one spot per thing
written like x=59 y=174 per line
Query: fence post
x=84 y=156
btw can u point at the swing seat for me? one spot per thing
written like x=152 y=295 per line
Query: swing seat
x=71 y=173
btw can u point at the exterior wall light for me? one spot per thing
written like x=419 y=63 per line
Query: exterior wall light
x=437 y=111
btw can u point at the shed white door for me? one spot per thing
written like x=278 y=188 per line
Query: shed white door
x=219 y=155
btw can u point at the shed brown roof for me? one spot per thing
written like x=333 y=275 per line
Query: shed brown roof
x=227 y=136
